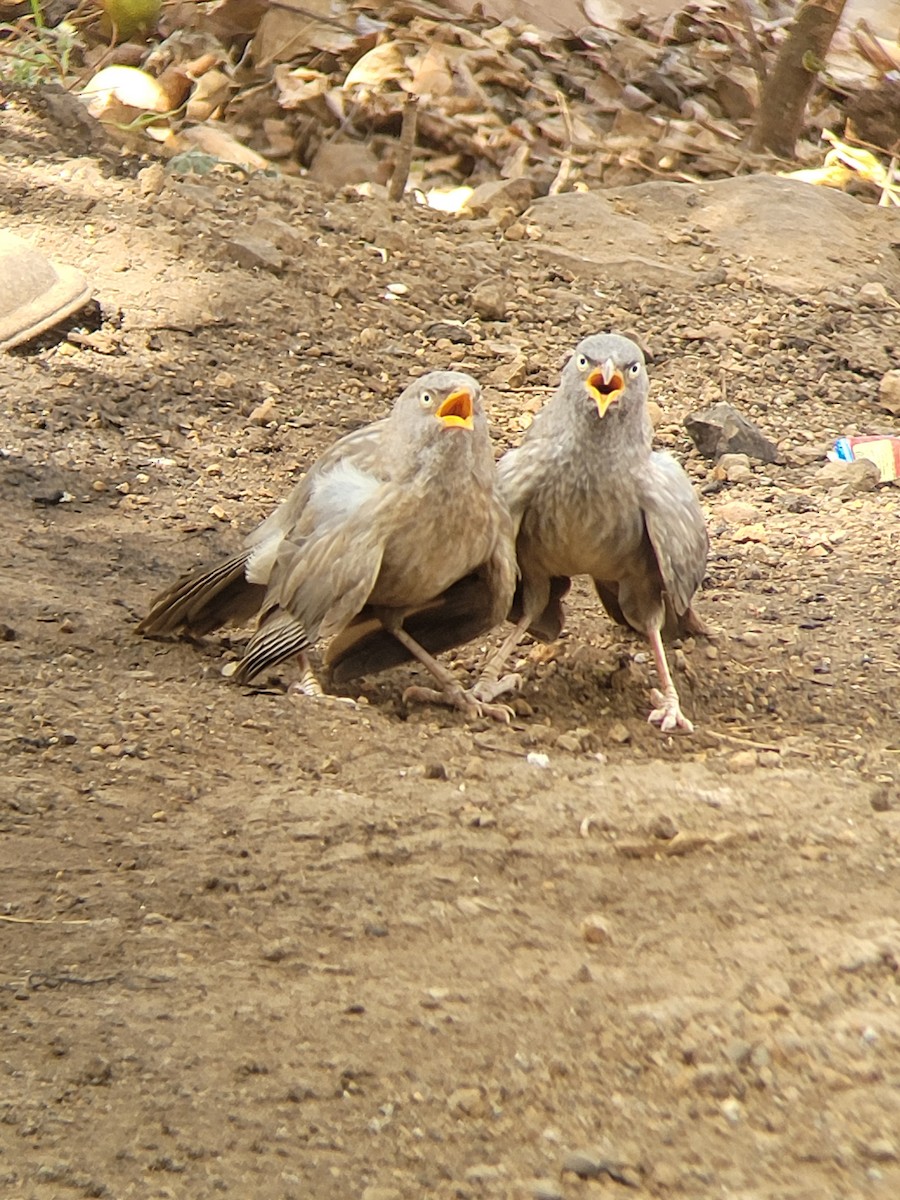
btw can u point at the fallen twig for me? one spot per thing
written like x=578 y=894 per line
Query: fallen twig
x=753 y=46
x=405 y=149
x=43 y=921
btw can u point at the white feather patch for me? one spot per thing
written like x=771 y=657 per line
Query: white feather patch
x=340 y=492
x=260 y=563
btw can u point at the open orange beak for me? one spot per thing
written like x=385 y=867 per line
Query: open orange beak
x=457 y=410
x=605 y=384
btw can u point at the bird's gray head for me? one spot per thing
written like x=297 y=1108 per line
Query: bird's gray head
x=607 y=368
x=451 y=398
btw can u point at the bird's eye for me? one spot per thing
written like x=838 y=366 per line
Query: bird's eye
x=427 y=398
x=634 y=369
x=581 y=362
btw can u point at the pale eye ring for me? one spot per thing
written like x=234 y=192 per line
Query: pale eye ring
x=581 y=362
x=634 y=369
x=426 y=399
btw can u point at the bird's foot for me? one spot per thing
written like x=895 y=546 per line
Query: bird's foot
x=313 y=691
x=458 y=697
x=667 y=714
x=307 y=686
x=487 y=690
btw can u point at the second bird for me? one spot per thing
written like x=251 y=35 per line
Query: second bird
x=589 y=496
x=396 y=545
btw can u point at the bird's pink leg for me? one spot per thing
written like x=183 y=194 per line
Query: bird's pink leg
x=452 y=692
x=490 y=684
x=667 y=714
x=309 y=686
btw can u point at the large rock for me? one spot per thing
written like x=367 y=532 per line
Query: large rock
x=722 y=430
x=793 y=236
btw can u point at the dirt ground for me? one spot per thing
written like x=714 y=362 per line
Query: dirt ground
x=260 y=948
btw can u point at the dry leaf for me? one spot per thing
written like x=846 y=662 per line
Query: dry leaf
x=299 y=86
x=382 y=64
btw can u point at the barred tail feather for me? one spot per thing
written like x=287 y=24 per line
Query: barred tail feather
x=281 y=637
x=206 y=599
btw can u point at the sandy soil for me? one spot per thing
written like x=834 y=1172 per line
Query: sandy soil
x=261 y=948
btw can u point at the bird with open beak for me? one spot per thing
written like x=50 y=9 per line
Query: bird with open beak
x=589 y=496
x=395 y=546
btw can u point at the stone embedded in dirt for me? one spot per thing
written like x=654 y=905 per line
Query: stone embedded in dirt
x=280 y=233
x=453 y=331
x=374 y=1192
x=738 y=512
x=509 y=374
x=468 y=1102
x=515 y=194
x=756 y=532
x=619 y=733
x=543 y=1189
x=889 y=392
x=769 y=758
x=151 y=180
x=663 y=827
x=861 y=475
x=490 y=301
x=584 y=1164
x=742 y=760
x=264 y=413
x=798 y=502
x=484 y=1174
x=880 y=1149
x=881 y=799
x=721 y=429
x=592 y=1164
x=735 y=468
x=875 y=292
x=253 y=253
x=595 y=929
x=569 y=742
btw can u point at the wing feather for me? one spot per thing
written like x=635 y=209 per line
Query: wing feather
x=677 y=528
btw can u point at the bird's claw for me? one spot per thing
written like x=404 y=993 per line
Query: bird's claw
x=667 y=714
x=486 y=690
x=466 y=701
x=309 y=692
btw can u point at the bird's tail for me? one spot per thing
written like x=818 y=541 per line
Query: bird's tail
x=206 y=599
x=279 y=637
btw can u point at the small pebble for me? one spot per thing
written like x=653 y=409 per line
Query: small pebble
x=546 y=1189
x=881 y=799
x=663 y=827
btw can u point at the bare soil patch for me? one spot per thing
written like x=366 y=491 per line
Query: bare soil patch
x=266 y=949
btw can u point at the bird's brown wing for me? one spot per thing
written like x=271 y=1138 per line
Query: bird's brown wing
x=205 y=599
x=316 y=589
x=677 y=532
x=233 y=590
x=295 y=518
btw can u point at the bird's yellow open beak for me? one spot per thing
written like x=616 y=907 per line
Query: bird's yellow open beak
x=605 y=385
x=457 y=410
